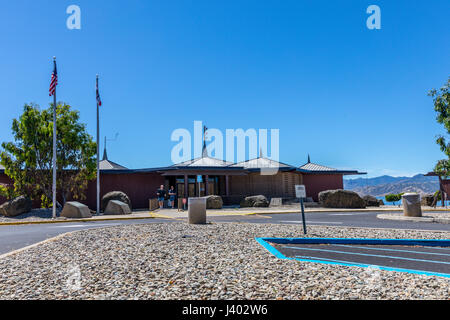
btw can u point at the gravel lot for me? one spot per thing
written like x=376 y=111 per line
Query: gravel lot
x=216 y=261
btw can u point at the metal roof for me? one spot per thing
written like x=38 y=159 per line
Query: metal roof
x=109 y=165
x=317 y=168
x=204 y=162
x=261 y=162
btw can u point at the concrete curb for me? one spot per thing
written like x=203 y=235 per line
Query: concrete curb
x=387 y=216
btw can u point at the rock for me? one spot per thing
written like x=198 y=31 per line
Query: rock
x=73 y=209
x=115 y=195
x=254 y=201
x=371 y=201
x=117 y=207
x=16 y=206
x=427 y=200
x=276 y=202
x=214 y=202
x=341 y=199
x=381 y=202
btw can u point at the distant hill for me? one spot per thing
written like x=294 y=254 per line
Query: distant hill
x=380 y=186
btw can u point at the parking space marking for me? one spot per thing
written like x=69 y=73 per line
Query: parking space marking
x=312 y=222
x=368 y=255
x=397 y=250
x=85 y=225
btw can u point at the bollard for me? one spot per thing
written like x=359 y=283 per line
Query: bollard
x=411 y=205
x=197 y=210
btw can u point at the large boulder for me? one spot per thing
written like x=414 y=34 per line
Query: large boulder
x=427 y=200
x=214 y=202
x=341 y=199
x=117 y=207
x=16 y=206
x=371 y=201
x=73 y=209
x=115 y=195
x=254 y=201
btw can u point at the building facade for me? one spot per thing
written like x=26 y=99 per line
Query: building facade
x=209 y=176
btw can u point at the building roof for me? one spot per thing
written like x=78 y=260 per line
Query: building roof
x=317 y=168
x=261 y=162
x=203 y=162
x=109 y=165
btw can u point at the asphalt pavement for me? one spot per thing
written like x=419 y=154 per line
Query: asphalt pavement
x=18 y=236
x=432 y=260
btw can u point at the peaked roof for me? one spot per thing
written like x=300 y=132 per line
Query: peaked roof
x=316 y=167
x=262 y=162
x=204 y=161
x=109 y=165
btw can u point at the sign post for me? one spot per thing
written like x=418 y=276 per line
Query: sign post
x=300 y=192
x=199 y=180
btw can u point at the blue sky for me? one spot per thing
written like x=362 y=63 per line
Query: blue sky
x=349 y=96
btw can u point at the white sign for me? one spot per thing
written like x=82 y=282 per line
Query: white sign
x=300 y=191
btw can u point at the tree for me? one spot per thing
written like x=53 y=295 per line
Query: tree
x=28 y=160
x=393 y=197
x=441 y=100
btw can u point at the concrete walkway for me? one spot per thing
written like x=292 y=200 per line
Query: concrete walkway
x=437 y=217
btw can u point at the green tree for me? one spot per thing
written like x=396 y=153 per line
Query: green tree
x=393 y=197
x=441 y=100
x=28 y=160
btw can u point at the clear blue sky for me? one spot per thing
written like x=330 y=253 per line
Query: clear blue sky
x=349 y=96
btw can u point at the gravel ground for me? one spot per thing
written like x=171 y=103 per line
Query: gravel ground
x=215 y=261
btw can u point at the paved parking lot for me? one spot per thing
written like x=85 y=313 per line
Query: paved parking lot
x=398 y=255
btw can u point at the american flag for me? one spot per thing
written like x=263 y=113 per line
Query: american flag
x=98 y=95
x=54 y=81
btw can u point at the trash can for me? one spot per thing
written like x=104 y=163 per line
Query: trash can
x=411 y=205
x=197 y=210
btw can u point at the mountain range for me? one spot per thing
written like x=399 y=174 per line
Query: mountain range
x=380 y=186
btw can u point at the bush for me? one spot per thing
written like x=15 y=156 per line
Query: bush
x=393 y=197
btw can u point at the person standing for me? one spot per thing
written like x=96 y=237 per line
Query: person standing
x=172 y=195
x=161 y=193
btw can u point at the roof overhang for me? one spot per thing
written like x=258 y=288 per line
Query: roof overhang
x=341 y=172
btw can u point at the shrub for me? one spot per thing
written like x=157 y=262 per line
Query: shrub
x=393 y=197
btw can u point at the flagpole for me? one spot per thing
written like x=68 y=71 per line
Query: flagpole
x=54 y=149
x=98 y=153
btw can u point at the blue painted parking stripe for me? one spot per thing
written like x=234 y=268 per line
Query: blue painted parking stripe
x=407 y=242
x=368 y=255
x=396 y=250
x=271 y=249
